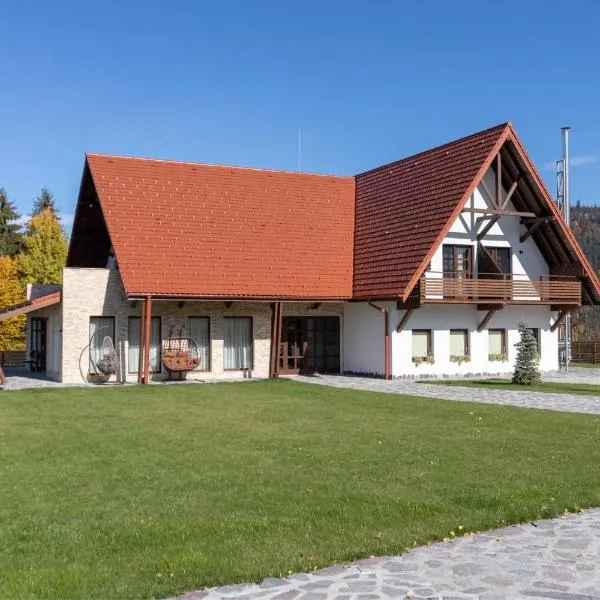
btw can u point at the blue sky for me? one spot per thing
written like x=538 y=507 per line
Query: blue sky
x=233 y=81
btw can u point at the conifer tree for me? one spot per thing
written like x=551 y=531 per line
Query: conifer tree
x=12 y=331
x=526 y=365
x=45 y=250
x=11 y=234
x=45 y=201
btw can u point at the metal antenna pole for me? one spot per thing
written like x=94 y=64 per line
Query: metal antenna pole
x=566 y=209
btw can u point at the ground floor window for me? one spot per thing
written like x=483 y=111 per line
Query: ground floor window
x=422 y=348
x=459 y=344
x=133 y=357
x=237 y=352
x=199 y=331
x=100 y=328
x=497 y=344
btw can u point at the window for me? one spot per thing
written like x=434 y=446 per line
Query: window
x=459 y=342
x=496 y=344
x=536 y=335
x=199 y=331
x=494 y=262
x=100 y=328
x=238 y=343
x=458 y=261
x=133 y=357
x=421 y=344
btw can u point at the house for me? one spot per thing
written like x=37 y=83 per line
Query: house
x=421 y=267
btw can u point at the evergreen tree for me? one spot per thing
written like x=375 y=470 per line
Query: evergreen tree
x=11 y=235
x=45 y=251
x=45 y=201
x=526 y=368
x=12 y=331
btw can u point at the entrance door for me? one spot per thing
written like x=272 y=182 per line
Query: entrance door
x=310 y=344
x=37 y=347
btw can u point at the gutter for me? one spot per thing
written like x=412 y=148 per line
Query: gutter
x=386 y=319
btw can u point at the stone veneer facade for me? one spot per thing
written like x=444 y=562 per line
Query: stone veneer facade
x=100 y=292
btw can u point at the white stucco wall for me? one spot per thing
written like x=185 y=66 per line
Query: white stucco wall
x=53 y=316
x=526 y=257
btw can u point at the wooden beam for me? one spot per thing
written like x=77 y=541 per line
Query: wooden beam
x=486 y=319
x=489 y=194
x=484 y=231
x=498 y=180
x=147 y=328
x=141 y=346
x=508 y=196
x=530 y=231
x=559 y=320
x=502 y=213
x=404 y=320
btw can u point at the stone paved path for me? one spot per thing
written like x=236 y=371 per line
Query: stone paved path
x=547 y=400
x=558 y=559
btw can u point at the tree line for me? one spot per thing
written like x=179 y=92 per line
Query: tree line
x=34 y=252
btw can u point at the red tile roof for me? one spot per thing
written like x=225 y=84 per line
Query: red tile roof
x=187 y=229
x=30 y=305
x=404 y=209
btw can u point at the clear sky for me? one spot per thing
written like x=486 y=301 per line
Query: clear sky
x=232 y=82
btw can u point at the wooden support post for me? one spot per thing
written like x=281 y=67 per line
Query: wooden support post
x=561 y=317
x=147 y=328
x=498 y=180
x=535 y=223
x=493 y=220
x=488 y=193
x=141 y=346
x=404 y=320
x=486 y=319
x=508 y=196
x=275 y=340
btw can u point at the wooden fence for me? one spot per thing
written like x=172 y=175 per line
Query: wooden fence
x=585 y=352
x=12 y=358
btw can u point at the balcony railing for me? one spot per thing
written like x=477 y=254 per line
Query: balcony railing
x=462 y=288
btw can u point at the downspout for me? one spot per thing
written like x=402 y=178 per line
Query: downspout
x=386 y=337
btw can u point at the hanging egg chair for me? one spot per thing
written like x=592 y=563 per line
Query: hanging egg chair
x=107 y=363
x=180 y=354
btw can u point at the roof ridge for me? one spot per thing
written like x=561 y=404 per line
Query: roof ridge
x=499 y=127
x=221 y=166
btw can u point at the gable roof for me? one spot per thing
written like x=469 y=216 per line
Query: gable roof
x=404 y=211
x=30 y=305
x=188 y=229
x=403 y=208
x=204 y=231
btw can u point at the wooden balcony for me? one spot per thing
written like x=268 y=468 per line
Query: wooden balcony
x=453 y=288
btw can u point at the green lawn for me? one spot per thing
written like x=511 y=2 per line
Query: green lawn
x=580 y=389
x=585 y=365
x=141 y=492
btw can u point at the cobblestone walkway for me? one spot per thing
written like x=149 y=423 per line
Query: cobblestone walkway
x=547 y=400
x=558 y=559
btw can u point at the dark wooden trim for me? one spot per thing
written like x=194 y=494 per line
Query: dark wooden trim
x=501 y=213
x=508 y=196
x=404 y=320
x=561 y=317
x=498 y=179
x=493 y=220
x=486 y=319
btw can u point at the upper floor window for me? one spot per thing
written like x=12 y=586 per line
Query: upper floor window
x=458 y=261
x=494 y=262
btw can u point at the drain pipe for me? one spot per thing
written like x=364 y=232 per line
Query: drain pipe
x=386 y=338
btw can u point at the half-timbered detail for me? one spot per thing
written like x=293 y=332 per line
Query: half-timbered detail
x=421 y=267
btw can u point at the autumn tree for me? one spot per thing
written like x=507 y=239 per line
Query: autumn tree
x=11 y=235
x=45 y=250
x=12 y=331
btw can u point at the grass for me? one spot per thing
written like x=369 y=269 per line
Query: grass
x=142 y=492
x=579 y=389
x=585 y=365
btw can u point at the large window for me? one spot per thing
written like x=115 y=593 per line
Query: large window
x=459 y=343
x=497 y=344
x=238 y=343
x=134 y=345
x=100 y=328
x=199 y=331
x=494 y=262
x=421 y=344
x=458 y=261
